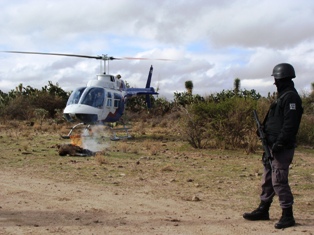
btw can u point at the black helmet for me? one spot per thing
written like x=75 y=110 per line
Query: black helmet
x=283 y=70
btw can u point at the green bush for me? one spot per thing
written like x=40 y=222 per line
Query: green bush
x=225 y=121
x=18 y=108
x=226 y=124
x=22 y=102
x=306 y=130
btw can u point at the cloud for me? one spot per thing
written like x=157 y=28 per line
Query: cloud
x=210 y=42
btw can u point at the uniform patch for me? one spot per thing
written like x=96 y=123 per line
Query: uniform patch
x=292 y=106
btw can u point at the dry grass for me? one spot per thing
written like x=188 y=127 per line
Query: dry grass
x=164 y=162
x=101 y=160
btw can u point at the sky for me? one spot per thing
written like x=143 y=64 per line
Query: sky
x=210 y=42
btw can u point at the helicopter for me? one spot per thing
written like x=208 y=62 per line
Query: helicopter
x=102 y=100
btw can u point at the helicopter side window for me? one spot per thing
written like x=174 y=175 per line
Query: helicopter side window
x=116 y=102
x=109 y=99
x=76 y=95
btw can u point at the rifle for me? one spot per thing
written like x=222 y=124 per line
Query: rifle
x=267 y=156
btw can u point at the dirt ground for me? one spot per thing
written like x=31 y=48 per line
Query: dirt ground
x=165 y=191
x=31 y=205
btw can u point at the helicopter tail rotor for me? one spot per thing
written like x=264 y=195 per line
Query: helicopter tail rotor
x=149 y=79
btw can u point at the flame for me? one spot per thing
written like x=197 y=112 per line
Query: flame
x=89 y=139
x=76 y=140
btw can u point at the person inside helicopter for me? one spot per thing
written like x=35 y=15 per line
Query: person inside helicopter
x=119 y=82
x=99 y=99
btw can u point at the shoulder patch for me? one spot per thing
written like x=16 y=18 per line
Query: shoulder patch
x=292 y=106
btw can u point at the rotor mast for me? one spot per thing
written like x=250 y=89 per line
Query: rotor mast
x=106 y=60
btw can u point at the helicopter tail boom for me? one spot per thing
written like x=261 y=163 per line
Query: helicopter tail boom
x=140 y=91
x=147 y=91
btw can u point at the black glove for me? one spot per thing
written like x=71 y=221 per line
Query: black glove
x=277 y=147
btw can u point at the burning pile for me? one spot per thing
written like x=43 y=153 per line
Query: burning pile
x=85 y=144
x=75 y=149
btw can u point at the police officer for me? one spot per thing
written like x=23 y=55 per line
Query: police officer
x=281 y=125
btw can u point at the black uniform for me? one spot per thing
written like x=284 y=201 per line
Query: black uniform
x=281 y=126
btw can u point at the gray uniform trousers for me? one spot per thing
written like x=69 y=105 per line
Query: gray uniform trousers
x=275 y=180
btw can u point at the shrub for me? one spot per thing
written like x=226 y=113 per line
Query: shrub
x=225 y=124
x=18 y=109
x=306 y=130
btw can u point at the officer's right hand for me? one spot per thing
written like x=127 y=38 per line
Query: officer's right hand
x=277 y=147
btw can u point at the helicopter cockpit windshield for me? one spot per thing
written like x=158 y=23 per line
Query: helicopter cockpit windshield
x=76 y=95
x=93 y=96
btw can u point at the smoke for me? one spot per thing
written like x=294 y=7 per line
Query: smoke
x=95 y=138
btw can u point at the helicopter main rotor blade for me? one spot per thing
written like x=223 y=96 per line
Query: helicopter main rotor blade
x=62 y=54
x=103 y=57
x=137 y=58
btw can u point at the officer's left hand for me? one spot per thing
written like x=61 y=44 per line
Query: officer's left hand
x=277 y=147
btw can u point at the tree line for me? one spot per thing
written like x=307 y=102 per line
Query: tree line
x=222 y=119
x=25 y=103
x=225 y=119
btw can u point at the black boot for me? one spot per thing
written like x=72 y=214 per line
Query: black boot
x=261 y=213
x=286 y=219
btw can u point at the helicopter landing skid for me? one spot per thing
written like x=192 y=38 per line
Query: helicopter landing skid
x=72 y=129
x=115 y=137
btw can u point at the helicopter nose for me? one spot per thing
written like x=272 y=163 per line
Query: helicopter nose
x=87 y=118
x=68 y=117
x=83 y=113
